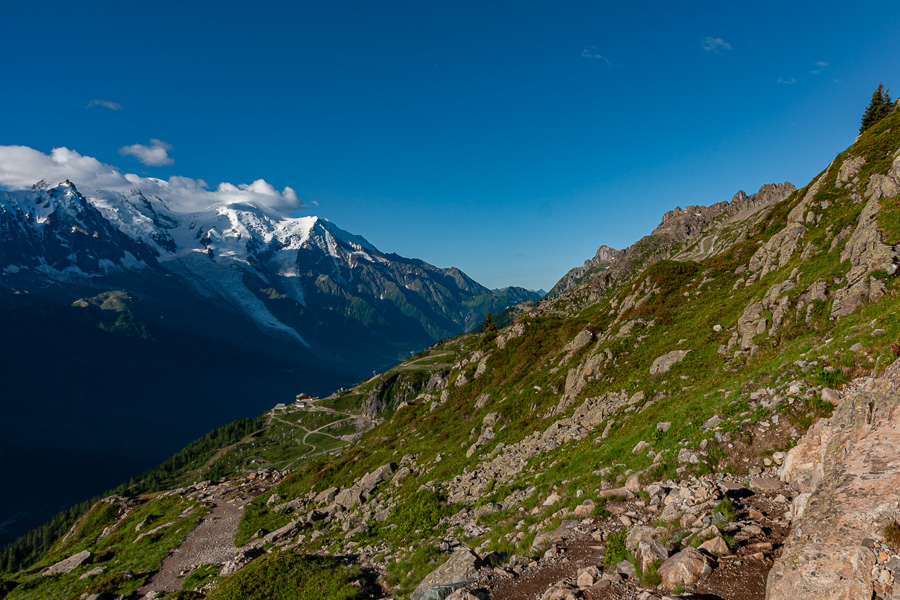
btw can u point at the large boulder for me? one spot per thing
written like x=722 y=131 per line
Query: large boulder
x=649 y=552
x=716 y=546
x=666 y=361
x=685 y=568
x=363 y=488
x=460 y=568
x=68 y=565
x=370 y=480
x=282 y=535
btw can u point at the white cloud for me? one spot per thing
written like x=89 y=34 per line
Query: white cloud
x=21 y=167
x=105 y=104
x=821 y=65
x=154 y=155
x=593 y=54
x=790 y=81
x=715 y=45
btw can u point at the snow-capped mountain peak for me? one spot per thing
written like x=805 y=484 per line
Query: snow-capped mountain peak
x=300 y=277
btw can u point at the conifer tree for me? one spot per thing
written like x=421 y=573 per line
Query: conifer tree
x=879 y=107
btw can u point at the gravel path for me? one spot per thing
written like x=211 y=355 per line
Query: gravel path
x=211 y=542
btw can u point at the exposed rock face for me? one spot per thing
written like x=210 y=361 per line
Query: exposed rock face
x=865 y=250
x=849 y=470
x=398 y=388
x=461 y=567
x=68 y=565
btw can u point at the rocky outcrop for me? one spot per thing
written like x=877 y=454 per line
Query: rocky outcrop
x=865 y=251
x=400 y=387
x=362 y=489
x=452 y=575
x=848 y=470
x=593 y=266
x=667 y=361
x=67 y=565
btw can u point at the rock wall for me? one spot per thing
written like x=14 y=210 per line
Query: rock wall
x=847 y=470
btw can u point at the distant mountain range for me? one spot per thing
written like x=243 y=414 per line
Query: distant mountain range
x=303 y=281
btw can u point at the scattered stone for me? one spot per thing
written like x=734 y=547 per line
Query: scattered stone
x=588 y=576
x=712 y=422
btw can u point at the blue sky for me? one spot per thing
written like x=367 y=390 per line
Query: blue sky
x=509 y=139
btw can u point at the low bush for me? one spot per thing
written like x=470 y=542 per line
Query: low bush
x=615 y=548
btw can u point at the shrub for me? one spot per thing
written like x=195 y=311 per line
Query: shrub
x=892 y=535
x=422 y=510
x=108 y=585
x=615 y=548
x=650 y=578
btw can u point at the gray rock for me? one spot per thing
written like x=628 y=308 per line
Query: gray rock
x=457 y=571
x=327 y=496
x=67 y=565
x=666 y=361
x=713 y=421
x=625 y=568
x=282 y=535
x=93 y=572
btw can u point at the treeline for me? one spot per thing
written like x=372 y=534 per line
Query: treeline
x=29 y=548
